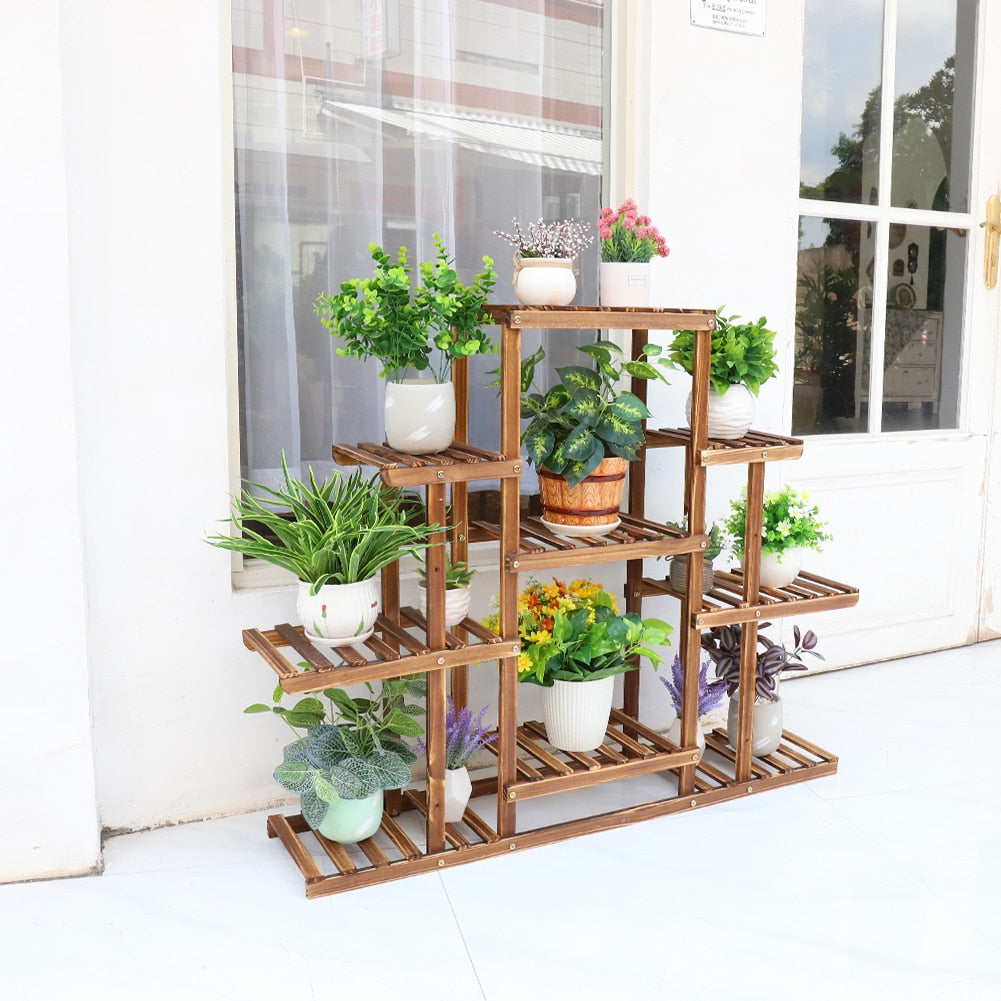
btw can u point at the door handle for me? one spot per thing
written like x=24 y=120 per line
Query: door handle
x=992 y=225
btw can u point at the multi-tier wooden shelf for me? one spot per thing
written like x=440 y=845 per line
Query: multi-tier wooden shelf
x=667 y=777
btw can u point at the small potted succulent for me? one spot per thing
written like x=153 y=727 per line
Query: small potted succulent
x=350 y=755
x=629 y=241
x=723 y=646
x=790 y=525
x=335 y=536
x=544 y=258
x=678 y=571
x=583 y=432
x=464 y=735
x=457 y=594
x=741 y=360
x=574 y=642
x=711 y=696
x=413 y=332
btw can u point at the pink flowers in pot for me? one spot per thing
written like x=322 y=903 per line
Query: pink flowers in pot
x=627 y=236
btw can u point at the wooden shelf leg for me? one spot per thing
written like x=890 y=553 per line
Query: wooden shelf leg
x=435 y=721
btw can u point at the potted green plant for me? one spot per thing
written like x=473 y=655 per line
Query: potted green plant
x=741 y=360
x=415 y=333
x=544 y=256
x=583 y=432
x=711 y=696
x=342 y=768
x=629 y=241
x=723 y=646
x=335 y=536
x=678 y=568
x=790 y=525
x=573 y=643
x=464 y=735
x=458 y=576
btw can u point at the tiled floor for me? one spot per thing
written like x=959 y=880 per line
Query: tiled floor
x=880 y=882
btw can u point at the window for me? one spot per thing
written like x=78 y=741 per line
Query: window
x=884 y=224
x=390 y=121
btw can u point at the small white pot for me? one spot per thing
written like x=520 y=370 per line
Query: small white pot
x=576 y=713
x=544 y=281
x=339 y=614
x=456 y=604
x=624 y=283
x=458 y=788
x=730 y=414
x=781 y=569
x=420 y=415
x=766 y=726
x=674 y=734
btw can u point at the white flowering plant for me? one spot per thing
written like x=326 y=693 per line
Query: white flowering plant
x=564 y=239
x=789 y=519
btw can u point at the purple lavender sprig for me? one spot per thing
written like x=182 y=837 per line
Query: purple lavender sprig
x=711 y=693
x=464 y=734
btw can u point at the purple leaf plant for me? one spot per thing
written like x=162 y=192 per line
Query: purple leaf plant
x=464 y=734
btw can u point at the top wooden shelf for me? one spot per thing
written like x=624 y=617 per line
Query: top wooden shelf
x=594 y=317
x=458 y=463
x=755 y=446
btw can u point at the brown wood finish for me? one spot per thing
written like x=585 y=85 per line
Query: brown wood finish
x=528 y=767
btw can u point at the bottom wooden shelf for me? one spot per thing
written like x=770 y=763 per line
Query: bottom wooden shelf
x=396 y=850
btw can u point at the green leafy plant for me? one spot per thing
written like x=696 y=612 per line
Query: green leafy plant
x=384 y=317
x=740 y=353
x=340 y=531
x=356 y=754
x=789 y=519
x=457 y=574
x=723 y=646
x=573 y=632
x=583 y=418
x=718 y=540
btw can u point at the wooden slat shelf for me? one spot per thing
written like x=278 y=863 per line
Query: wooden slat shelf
x=392 y=854
x=459 y=463
x=597 y=317
x=755 y=446
x=377 y=657
x=724 y=604
x=635 y=538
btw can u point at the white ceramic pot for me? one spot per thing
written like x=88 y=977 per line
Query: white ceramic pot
x=339 y=614
x=458 y=788
x=420 y=415
x=730 y=413
x=674 y=734
x=456 y=604
x=349 y=821
x=576 y=713
x=766 y=726
x=544 y=281
x=781 y=569
x=624 y=283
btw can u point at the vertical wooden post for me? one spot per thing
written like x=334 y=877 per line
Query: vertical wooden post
x=435 y=720
x=695 y=505
x=459 y=518
x=507 y=696
x=637 y=507
x=749 y=631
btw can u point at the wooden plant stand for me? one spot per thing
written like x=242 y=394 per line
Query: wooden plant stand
x=414 y=837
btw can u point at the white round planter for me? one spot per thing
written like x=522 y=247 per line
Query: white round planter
x=544 y=281
x=781 y=569
x=349 y=821
x=624 y=283
x=458 y=788
x=456 y=604
x=766 y=727
x=576 y=713
x=420 y=415
x=674 y=734
x=730 y=414
x=339 y=614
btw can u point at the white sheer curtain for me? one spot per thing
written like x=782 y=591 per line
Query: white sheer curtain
x=389 y=121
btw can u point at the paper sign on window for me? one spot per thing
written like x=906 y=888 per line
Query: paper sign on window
x=744 y=16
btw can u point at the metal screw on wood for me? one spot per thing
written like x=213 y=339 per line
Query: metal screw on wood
x=462 y=538
x=511 y=847
x=441 y=862
x=750 y=788
x=515 y=564
x=440 y=474
x=441 y=660
x=692 y=803
x=517 y=467
x=513 y=794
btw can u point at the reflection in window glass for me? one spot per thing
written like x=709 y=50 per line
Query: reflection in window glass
x=841 y=86
x=831 y=321
x=923 y=329
x=933 y=104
